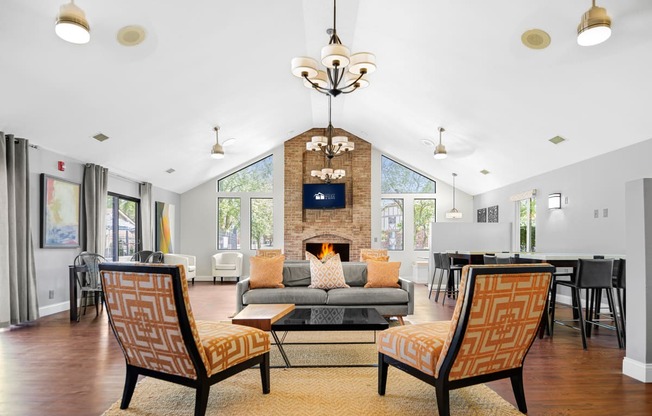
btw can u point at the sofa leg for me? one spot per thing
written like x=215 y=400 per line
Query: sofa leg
x=400 y=320
x=213 y=279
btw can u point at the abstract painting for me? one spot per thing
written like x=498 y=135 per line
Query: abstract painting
x=59 y=213
x=164 y=227
x=482 y=215
x=492 y=213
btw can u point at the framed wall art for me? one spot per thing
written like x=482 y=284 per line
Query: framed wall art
x=492 y=214
x=482 y=215
x=60 y=207
x=164 y=227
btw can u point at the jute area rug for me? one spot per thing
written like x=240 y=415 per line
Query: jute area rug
x=314 y=391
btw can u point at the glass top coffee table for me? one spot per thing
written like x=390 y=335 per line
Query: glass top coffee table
x=327 y=319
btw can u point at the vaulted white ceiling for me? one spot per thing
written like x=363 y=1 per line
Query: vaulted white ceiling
x=456 y=64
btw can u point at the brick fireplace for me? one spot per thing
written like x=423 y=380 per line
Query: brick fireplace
x=350 y=225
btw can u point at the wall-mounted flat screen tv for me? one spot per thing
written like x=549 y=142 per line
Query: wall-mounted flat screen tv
x=324 y=195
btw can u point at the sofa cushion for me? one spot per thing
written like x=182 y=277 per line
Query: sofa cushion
x=266 y=272
x=295 y=295
x=296 y=273
x=327 y=275
x=382 y=274
x=367 y=296
x=355 y=273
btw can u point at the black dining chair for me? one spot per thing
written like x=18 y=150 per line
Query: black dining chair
x=453 y=273
x=438 y=267
x=591 y=274
x=489 y=259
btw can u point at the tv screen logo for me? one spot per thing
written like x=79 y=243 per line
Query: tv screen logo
x=319 y=196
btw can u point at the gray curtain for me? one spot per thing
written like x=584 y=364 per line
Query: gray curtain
x=146 y=216
x=93 y=221
x=18 y=298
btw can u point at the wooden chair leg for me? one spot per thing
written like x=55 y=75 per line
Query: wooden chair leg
x=130 y=384
x=443 y=399
x=264 y=373
x=201 y=398
x=519 y=392
x=383 y=368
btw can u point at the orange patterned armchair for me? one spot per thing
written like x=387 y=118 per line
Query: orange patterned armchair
x=496 y=319
x=150 y=315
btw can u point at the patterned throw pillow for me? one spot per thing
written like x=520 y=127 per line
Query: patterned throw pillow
x=367 y=257
x=328 y=256
x=382 y=274
x=328 y=275
x=266 y=272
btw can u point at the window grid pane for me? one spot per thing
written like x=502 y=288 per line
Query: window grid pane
x=262 y=223
x=228 y=213
x=391 y=232
x=398 y=179
x=257 y=177
x=424 y=215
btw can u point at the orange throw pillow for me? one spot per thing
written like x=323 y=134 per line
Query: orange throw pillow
x=266 y=272
x=382 y=274
x=374 y=257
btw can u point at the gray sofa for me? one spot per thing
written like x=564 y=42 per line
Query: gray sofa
x=296 y=278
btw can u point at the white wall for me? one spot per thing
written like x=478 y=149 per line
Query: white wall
x=199 y=218
x=52 y=263
x=594 y=184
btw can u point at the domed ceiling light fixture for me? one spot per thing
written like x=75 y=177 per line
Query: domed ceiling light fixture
x=454 y=213
x=71 y=24
x=344 y=73
x=595 y=26
x=331 y=145
x=217 y=152
x=440 y=149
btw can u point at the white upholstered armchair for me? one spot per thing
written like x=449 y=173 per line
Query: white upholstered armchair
x=189 y=263
x=227 y=264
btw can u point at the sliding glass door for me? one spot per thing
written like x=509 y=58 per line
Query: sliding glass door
x=122 y=227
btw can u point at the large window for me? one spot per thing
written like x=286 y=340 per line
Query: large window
x=122 y=236
x=257 y=177
x=399 y=179
x=408 y=207
x=262 y=223
x=527 y=211
x=228 y=223
x=424 y=215
x=245 y=207
x=391 y=230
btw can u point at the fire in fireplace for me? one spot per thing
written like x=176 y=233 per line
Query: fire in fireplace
x=322 y=249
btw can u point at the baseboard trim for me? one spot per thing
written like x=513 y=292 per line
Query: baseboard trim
x=52 y=309
x=637 y=370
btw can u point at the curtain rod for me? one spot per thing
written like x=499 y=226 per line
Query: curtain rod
x=125 y=178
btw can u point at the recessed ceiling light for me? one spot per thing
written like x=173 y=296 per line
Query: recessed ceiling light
x=535 y=39
x=557 y=140
x=228 y=142
x=170 y=170
x=427 y=142
x=100 y=137
x=131 y=35
x=485 y=172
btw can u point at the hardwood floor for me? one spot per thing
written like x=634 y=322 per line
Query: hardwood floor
x=55 y=367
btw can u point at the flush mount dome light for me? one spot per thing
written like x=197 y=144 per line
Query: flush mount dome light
x=595 y=26
x=71 y=24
